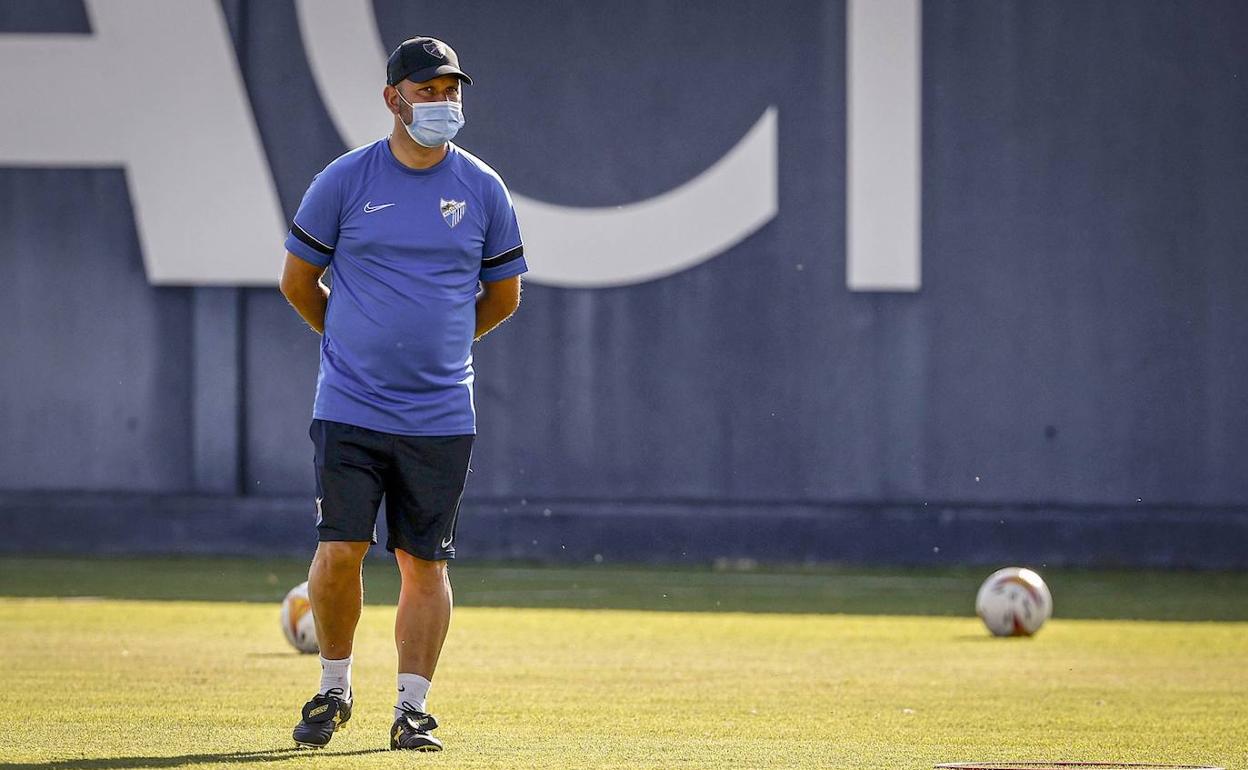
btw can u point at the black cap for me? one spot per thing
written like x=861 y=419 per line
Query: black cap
x=423 y=58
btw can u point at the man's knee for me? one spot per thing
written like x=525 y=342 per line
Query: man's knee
x=420 y=573
x=340 y=555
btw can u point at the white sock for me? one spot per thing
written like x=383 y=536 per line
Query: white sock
x=336 y=675
x=413 y=693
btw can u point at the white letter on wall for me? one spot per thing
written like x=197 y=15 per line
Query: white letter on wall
x=884 y=184
x=573 y=246
x=155 y=89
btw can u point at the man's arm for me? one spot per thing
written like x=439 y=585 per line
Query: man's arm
x=497 y=301
x=302 y=287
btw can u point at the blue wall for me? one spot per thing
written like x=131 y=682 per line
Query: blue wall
x=1080 y=339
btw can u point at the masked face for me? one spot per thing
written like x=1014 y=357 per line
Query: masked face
x=434 y=123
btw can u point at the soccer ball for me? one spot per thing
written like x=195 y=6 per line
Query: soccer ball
x=297 y=622
x=1014 y=602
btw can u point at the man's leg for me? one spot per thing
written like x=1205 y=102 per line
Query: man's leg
x=350 y=462
x=336 y=589
x=420 y=626
x=422 y=503
x=424 y=614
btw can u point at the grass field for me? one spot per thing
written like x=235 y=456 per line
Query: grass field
x=180 y=663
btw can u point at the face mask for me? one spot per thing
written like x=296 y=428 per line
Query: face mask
x=434 y=123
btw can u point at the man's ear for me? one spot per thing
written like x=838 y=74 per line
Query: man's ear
x=391 y=96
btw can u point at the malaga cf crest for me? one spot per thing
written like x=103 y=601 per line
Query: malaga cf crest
x=453 y=211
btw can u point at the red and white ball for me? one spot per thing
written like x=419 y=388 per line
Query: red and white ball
x=1014 y=602
x=297 y=622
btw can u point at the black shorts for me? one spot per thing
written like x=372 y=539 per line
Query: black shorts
x=421 y=477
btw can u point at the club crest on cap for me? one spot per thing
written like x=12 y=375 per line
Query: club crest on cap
x=434 y=49
x=453 y=211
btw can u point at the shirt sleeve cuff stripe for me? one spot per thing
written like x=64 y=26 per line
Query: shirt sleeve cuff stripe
x=304 y=236
x=504 y=258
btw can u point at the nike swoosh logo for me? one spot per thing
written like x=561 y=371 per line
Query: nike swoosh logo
x=447 y=542
x=401 y=689
x=370 y=208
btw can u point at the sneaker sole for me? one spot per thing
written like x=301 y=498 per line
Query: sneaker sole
x=426 y=748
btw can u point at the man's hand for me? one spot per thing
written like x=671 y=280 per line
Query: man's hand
x=497 y=301
x=302 y=287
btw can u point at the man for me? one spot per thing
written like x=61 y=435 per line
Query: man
x=424 y=255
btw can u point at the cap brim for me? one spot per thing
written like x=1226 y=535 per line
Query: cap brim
x=429 y=73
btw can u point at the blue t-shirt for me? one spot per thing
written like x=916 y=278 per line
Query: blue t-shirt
x=406 y=249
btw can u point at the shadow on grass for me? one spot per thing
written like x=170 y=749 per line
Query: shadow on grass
x=949 y=591
x=185 y=760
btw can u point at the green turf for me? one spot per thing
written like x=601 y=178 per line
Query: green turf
x=1142 y=595
x=154 y=683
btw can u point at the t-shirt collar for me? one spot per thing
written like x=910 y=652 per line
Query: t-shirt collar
x=451 y=149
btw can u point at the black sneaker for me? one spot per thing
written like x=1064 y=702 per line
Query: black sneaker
x=322 y=715
x=411 y=731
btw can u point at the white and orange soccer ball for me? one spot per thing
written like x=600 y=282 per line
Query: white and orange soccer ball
x=297 y=622
x=1014 y=602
